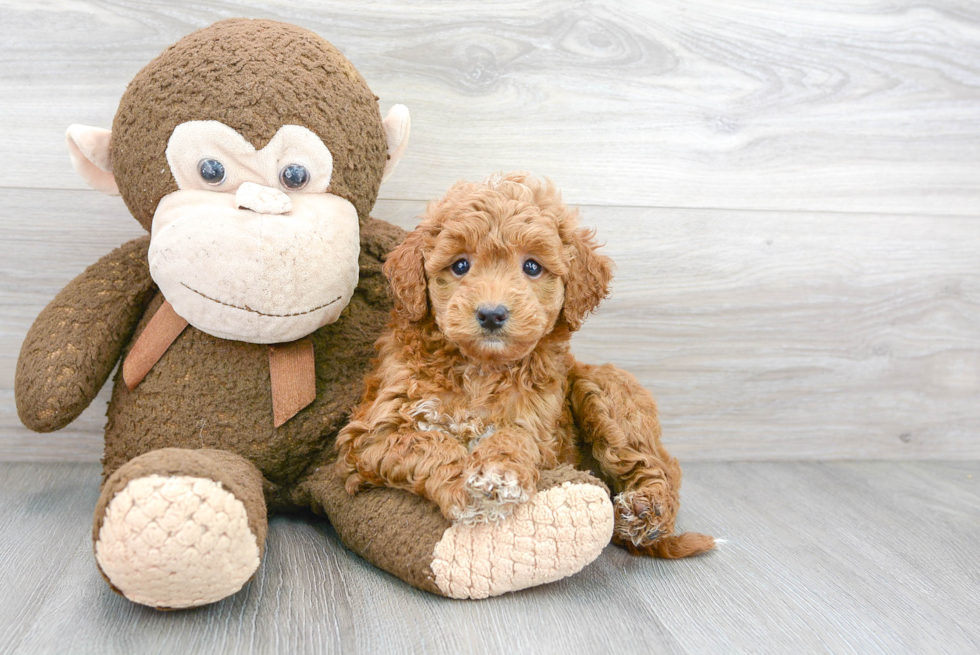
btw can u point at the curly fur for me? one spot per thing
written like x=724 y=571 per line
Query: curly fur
x=468 y=417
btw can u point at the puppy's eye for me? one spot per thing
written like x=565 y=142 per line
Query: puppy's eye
x=460 y=267
x=532 y=268
x=212 y=171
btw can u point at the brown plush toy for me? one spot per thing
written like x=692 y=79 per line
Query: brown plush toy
x=253 y=151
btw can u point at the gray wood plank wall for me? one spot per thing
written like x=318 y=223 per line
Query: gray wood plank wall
x=791 y=191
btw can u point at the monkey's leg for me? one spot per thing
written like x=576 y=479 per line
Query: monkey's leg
x=557 y=533
x=617 y=420
x=179 y=528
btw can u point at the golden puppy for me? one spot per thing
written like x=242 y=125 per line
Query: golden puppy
x=475 y=389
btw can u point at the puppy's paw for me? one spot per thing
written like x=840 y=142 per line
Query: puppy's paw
x=640 y=517
x=492 y=494
x=499 y=486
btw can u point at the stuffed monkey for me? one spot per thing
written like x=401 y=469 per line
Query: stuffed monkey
x=252 y=152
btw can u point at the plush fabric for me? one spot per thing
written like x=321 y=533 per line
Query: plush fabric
x=261 y=278
x=407 y=536
x=179 y=528
x=542 y=541
x=280 y=71
x=88 y=148
x=396 y=125
x=212 y=392
x=195 y=141
x=236 y=474
x=176 y=541
x=76 y=340
x=155 y=339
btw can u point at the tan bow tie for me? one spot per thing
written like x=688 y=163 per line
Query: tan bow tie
x=291 y=365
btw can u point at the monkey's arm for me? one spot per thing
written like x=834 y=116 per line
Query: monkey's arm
x=77 y=339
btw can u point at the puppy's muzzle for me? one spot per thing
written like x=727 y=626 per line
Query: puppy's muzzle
x=492 y=318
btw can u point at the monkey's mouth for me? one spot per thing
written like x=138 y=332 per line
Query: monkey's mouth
x=246 y=308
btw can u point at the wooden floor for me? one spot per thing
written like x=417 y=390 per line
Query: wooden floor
x=868 y=557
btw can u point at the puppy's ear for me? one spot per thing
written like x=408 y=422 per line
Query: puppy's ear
x=589 y=274
x=405 y=270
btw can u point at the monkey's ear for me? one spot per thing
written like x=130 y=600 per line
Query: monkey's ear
x=88 y=148
x=405 y=269
x=397 y=124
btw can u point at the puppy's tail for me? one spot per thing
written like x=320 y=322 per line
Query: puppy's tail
x=674 y=546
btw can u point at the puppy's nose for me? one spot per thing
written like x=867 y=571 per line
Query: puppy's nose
x=491 y=318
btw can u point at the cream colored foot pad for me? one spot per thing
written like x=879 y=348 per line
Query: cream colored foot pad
x=557 y=533
x=176 y=542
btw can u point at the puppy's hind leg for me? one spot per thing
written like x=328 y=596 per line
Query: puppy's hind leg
x=617 y=420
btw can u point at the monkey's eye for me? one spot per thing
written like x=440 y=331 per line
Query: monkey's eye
x=212 y=171
x=294 y=176
x=460 y=267
x=532 y=268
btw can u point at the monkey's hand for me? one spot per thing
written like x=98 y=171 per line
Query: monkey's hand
x=77 y=339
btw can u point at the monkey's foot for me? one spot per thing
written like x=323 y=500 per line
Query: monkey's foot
x=174 y=542
x=180 y=528
x=559 y=531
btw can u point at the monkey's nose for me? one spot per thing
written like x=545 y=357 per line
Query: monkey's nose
x=262 y=199
x=491 y=318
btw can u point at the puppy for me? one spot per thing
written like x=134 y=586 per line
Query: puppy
x=475 y=390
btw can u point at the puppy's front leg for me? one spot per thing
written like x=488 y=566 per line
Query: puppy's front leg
x=428 y=464
x=501 y=473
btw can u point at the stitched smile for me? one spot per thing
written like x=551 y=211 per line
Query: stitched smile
x=255 y=311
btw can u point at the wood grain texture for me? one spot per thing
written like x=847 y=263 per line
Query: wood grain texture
x=831 y=106
x=863 y=558
x=762 y=335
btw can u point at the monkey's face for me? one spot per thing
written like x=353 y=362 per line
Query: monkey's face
x=252 y=247
x=250 y=149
